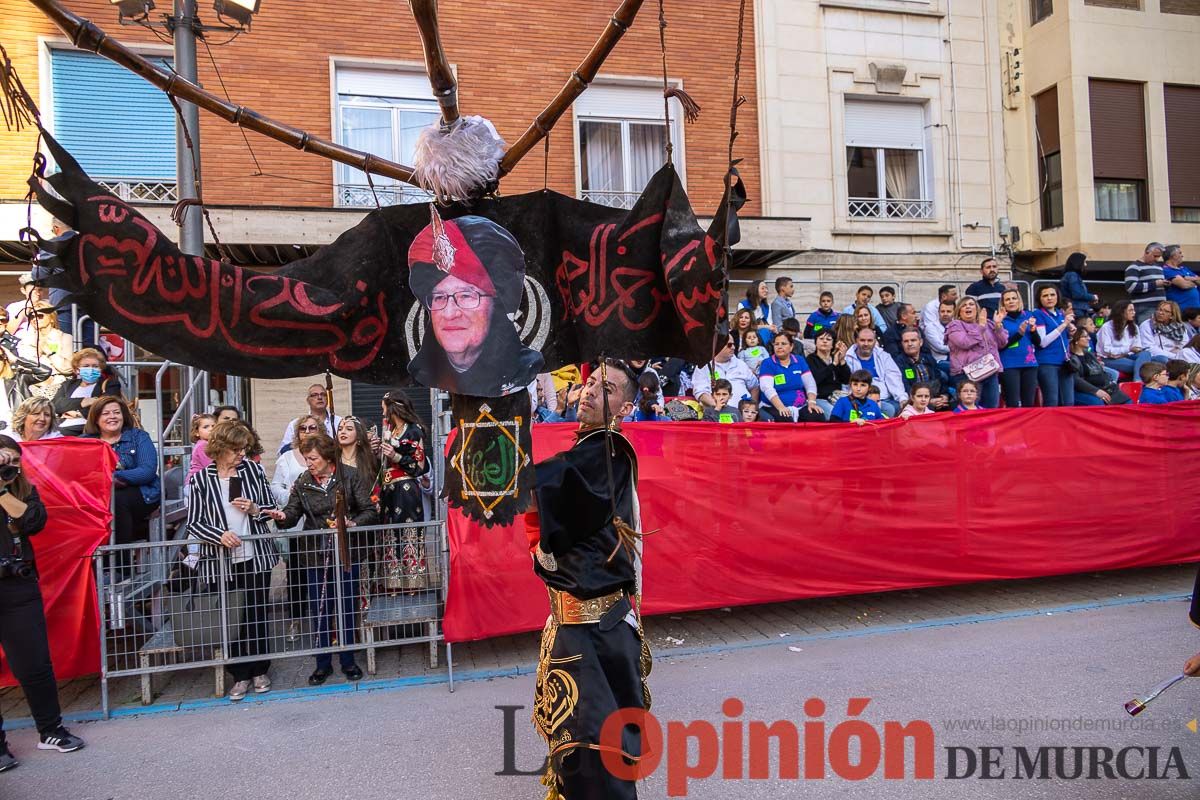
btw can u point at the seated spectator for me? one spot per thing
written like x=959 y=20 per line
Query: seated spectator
x=919 y=396
x=845 y=331
x=1103 y=314
x=874 y=395
x=724 y=365
x=722 y=411
x=821 y=319
x=1156 y=391
x=649 y=408
x=862 y=299
x=935 y=335
x=973 y=338
x=791 y=327
x=743 y=322
x=312 y=498
x=857 y=407
x=1165 y=333
x=905 y=320
x=136 y=488
x=887 y=307
x=968 y=397
x=756 y=302
x=781 y=307
x=1019 y=379
x=749 y=410
x=34 y=420
x=1118 y=342
x=220 y=516
x=1177 y=370
x=91 y=380
x=827 y=363
x=202 y=426
x=1191 y=316
x=864 y=319
x=1093 y=385
x=752 y=352
x=787 y=388
x=917 y=366
x=866 y=355
x=1193 y=383
x=931 y=313
x=1191 y=351
x=640 y=366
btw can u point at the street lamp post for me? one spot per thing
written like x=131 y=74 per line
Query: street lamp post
x=187 y=160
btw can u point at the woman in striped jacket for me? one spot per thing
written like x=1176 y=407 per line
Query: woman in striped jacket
x=228 y=500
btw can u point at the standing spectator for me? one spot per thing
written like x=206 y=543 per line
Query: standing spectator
x=968 y=396
x=1093 y=385
x=722 y=411
x=227 y=414
x=33 y=420
x=931 y=313
x=987 y=289
x=1145 y=282
x=1156 y=391
x=1072 y=287
x=887 y=307
x=935 y=335
x=918 y=367
x=1164 y=334
x=865 y=355
x=862 y=299
x=288 y=467
x=904 y=319
x=756 y=302
x=19 y=310
x=786 y=386
x=202 y=426
x=743 y=322
x=313 y=498
x=318 y=406
x=136 y=489
x=1182 y=283
x=821 y=319
x=404 y=475
x=781 y=307
x=827 y=363
x=92 y=380
x=1019 y=379
x=920 y=395
x=228 y=501
x=724 y=365
x=22 y=617
x=752 y=352
x=44 y=343
x=1118 y=342
x=856 y=406
x=845 y=331
x=1053 y=328
x=354 y=446
x=972 y=339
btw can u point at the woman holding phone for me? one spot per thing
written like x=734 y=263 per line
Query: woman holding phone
x=230 y=500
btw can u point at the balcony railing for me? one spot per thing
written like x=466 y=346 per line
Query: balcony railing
x=875 y=208
x=612 y=199
x=359 y=195
x=136 y=191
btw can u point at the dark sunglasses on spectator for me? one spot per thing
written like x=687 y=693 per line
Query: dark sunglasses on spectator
x=304 y=428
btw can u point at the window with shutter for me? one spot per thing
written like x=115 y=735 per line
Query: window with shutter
x=119 y=127
x=1039 y=10
x=380 y=111
x=1119 y=165
x=1182 y=107
x=1049 y=157
x=886 y=160
x=1189 y=7
x=1128 y=5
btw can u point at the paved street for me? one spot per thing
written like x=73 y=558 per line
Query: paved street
x=1077 y=661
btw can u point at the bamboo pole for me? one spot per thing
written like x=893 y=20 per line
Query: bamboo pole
x=621 y=19
x=441 y=78
x=87 y=36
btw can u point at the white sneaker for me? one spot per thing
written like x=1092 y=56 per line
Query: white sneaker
x=238 y=692
x=262 y=684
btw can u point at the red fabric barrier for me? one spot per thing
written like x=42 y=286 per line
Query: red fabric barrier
x=74 y=479
x=764 y=513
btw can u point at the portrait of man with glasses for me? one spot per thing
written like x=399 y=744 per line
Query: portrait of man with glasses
x=469 y=274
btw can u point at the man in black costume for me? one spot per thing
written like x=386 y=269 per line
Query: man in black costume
x=469 y=274
x=583 y=531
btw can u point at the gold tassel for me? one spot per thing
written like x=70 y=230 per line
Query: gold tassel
x=550 y=781
x=627 y=537
x=691 y=109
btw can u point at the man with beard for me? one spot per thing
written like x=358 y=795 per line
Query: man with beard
x=469 y=273
x=586 y=548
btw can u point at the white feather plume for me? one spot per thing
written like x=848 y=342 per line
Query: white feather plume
x=458 y=162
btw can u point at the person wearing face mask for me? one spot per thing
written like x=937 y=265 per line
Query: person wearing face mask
x=89 y=383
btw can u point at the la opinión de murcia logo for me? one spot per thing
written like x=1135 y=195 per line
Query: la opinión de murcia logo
x=853 y=749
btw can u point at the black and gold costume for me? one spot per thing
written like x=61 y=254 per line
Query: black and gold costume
x=594 y=659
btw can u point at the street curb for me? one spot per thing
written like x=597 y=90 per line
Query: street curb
x=389 y=684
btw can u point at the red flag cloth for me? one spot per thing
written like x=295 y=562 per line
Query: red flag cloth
x=762 y=513
x=74 y=479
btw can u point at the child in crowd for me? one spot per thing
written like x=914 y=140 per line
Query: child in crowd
x=1177 y=371
x=722 y=411
x=1192 y=384
x=202 y=425
x=1156 y=391
x=1088 y=324
x=874 y=395
x=821 y=319
x=857 y=407
x=1102 y=315
x=647 y=408
x=748 y=409
x=791 y=327
x=968 y=397
x=919 y=398
x=752 y=352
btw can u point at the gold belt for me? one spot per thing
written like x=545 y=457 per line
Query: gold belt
x=570 y=610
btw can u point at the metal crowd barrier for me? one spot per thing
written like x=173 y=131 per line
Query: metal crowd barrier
x=394 y=594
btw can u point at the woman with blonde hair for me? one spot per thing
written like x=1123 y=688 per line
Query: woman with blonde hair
x=34 y=420
x=845 y=330
x=91 y=381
